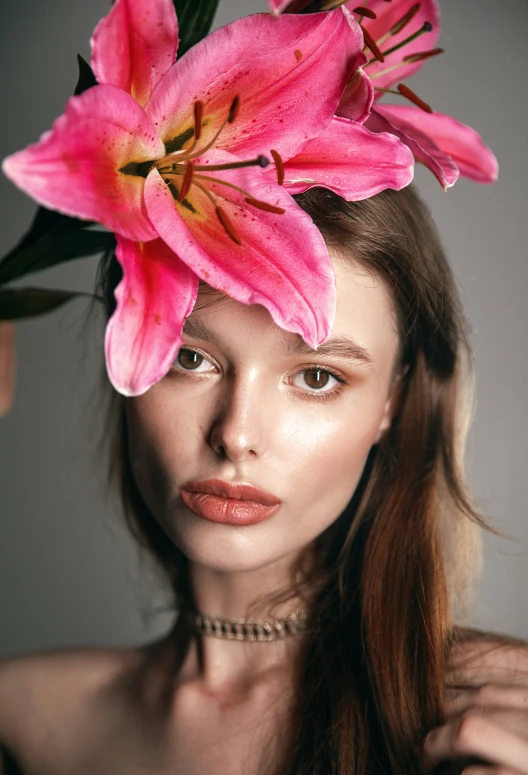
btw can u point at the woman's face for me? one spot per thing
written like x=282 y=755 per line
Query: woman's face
x=247 y=402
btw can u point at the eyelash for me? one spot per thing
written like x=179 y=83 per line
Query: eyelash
x=310 y=395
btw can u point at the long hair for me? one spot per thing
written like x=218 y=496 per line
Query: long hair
x=394 y=571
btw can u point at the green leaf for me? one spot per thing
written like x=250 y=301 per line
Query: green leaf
x=87 y=78
x=195 y=19
x=18 y=303
x=52 y=239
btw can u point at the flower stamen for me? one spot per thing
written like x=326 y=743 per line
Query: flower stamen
x=406 y=18
x=233 y=111
x=265 y=206
x=187 y=181
x=198 y=118
x=228 y=226
x=221 y=182
x=427 y=27
x=409 y=94
x=279 y=164
x=419 y=56
x=414 y=98
x=364 y=11
x=373 y=46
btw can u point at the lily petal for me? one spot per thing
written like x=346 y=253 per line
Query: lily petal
x=154 y=297
x=74 y=168
x=460 y=142
x=275 y=65
x=358 y=98
x=387 y=15
x=351 y=161
x=281 y=263
x=424 y=149
x=134 y=45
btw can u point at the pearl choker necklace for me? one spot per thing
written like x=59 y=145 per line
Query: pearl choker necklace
x=248 y=629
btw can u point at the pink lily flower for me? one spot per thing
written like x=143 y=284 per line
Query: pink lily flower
x=405 y=33
x=170 y=156
x=402 y=35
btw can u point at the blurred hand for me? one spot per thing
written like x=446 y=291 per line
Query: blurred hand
x=7 y=365
x=487 y=705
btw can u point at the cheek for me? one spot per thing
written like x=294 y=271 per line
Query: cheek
x=160 y=439
x=323 y=457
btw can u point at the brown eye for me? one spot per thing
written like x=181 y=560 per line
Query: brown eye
x=189 y=359
x=316 y=379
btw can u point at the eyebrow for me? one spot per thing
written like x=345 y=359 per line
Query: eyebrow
x=336 y=347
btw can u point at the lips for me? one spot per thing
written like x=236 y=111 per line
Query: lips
x=229 y=504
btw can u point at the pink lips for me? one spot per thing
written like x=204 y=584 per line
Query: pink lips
x=229 y=504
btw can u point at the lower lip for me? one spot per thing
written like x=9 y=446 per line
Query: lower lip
x=227 y=511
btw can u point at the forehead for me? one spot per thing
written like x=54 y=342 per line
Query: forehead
x=365 y=316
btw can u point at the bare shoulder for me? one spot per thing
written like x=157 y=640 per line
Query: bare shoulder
x=46 y=696
x=479 y=657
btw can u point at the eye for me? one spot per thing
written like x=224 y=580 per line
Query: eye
x=317 y=380
x=191 y=360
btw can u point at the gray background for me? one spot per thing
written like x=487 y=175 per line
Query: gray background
x=69 y=574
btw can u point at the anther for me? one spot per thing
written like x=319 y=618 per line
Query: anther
x=187 y=181
x=279 y=165
x=198 y=117
x=233 y=110
x=404 y=21
x=427 y=27
x=362 y=11
x=373 y=46
x=414 y=98
x=265 y=206
x=228 y=226
x=419 y=56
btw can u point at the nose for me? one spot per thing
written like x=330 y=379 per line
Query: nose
x=238 y=428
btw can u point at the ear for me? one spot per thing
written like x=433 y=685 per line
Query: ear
x=392 y=405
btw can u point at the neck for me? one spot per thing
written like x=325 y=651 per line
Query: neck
x=216 y=662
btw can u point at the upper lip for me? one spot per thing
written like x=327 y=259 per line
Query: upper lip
x=242 y=491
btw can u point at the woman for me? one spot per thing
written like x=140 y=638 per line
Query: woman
x=358 y=549
x=361 y=518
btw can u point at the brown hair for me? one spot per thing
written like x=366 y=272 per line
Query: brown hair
x=394 y=569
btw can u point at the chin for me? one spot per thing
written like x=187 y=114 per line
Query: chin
x=228 y=549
